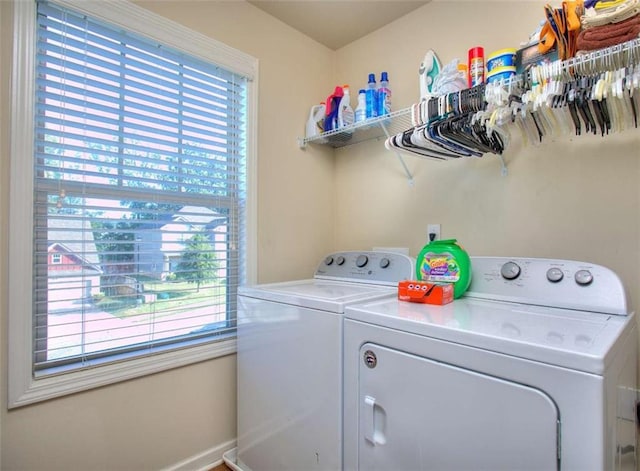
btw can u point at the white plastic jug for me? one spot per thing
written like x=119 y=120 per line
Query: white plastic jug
x=314 y=123
x=345 y=113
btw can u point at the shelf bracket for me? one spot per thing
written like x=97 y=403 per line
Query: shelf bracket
x=503 y=166
x=404 y=165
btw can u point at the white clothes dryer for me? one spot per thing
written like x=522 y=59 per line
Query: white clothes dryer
x=290 y=360
x=533 y=369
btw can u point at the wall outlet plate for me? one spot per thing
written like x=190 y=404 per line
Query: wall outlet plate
x=433 y=229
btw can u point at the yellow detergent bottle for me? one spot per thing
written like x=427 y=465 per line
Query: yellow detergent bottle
x=444 y=261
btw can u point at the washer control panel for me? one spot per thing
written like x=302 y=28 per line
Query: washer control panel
x=370 y=267
x=548 y=282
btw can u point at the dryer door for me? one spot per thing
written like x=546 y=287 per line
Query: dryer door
x=420 y=414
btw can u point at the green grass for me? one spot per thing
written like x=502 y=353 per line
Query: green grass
x=169 y=296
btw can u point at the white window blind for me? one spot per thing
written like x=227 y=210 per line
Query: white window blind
x=140 y=195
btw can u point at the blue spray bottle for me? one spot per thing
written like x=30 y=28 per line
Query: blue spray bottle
x=371 y=96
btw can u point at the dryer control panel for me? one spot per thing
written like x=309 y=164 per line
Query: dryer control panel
x=548 y=282
x=385 y=268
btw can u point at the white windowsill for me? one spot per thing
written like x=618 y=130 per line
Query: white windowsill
x=49 y=387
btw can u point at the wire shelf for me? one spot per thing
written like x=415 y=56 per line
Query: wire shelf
x=373 y=128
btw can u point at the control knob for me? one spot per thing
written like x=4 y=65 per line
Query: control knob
x=554 y=275
x=361 y=261
x=328 y=260
x=510 y=271
x=384 y=263
x=583 y=277
x=340 y=260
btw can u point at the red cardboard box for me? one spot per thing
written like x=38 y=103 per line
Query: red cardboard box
x=427 y=293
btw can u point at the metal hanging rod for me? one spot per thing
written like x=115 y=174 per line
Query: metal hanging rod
x=617 y=56
x=588 y=63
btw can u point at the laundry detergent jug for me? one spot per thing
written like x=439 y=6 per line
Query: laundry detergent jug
x=444 y=261
x=333 y=106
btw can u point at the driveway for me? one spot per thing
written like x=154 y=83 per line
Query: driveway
x=76 y=328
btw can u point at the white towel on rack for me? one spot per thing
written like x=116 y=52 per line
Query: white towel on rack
x=615 y=14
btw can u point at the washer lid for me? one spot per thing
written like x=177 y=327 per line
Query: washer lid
x=573 y=339
x=325 y=295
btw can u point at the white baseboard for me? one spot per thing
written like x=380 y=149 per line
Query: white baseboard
x=231 y=460
x=203 y=461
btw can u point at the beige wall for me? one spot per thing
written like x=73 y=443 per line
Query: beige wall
x=163 y=419
x=576 y=198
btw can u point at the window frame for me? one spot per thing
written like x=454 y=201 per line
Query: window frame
x=24 y=387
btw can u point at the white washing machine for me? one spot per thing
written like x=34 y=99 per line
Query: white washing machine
x=533 y=369
x=290 y=360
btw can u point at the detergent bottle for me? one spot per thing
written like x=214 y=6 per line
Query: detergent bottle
x=315 y=123
x=361 y=109
x=444 y=261
x=371 y=94
x=345 y=112
x=384 y=95
x=333 y=106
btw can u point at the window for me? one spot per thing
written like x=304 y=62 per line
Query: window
x=138 y=190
